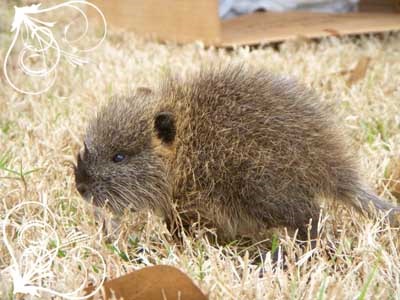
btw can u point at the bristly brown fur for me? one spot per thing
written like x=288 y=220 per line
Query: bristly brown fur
x=251 y=151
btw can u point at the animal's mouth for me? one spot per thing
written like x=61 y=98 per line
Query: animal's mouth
x=87 y=195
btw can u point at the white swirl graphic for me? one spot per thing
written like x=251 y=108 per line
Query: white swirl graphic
x=39 y=44
x=42 y=261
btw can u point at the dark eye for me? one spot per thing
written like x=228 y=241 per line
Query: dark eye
x=118 y=157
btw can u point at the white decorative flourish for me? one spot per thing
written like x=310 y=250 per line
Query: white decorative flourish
x=39 y=43
x=39 y=256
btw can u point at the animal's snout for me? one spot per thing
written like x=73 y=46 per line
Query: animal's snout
x=82 y=188
x=81 y=173
x=82 y=178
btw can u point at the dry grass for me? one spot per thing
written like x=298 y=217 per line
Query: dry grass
x=41 y=133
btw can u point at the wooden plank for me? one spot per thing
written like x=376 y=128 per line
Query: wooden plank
x=176 y=20
x=274 y=27
x=377 y=5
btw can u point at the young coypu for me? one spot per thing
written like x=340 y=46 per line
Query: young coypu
x=244 y=149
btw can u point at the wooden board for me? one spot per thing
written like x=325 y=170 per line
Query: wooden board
x=273 y=27
x=378 y=5
x=176 y=20
x=190 y=20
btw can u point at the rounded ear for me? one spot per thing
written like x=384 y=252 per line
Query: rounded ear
x=164 y=125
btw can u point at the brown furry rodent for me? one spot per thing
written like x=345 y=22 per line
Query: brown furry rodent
x=242 y=148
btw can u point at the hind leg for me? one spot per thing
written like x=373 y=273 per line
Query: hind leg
x=305 y=220
x=290 y=212
x=301 y=215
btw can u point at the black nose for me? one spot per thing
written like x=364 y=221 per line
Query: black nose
x=82 y=188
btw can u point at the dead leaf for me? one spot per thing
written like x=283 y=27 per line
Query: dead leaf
x=332 y=32
x=397 y=4
x=152 y=283
x=359 y=71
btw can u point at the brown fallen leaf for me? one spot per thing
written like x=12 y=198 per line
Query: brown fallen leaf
x=152 y=283
x=397 y=4
x=332 y=32
x=359 y=71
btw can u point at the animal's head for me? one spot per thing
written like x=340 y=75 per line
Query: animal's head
x=123 y=163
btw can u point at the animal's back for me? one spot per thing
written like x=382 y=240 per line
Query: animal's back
x=255 y=150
